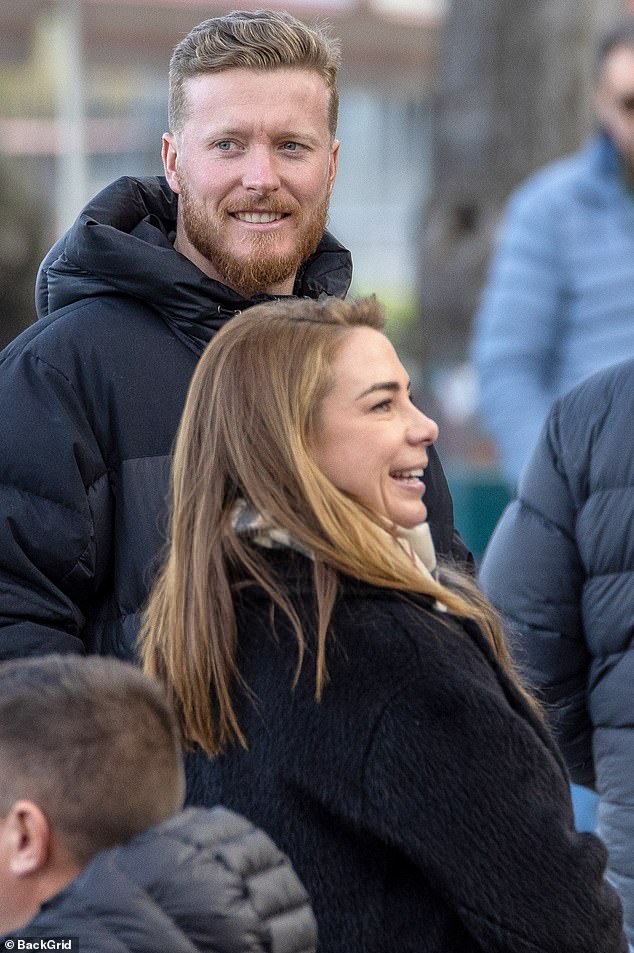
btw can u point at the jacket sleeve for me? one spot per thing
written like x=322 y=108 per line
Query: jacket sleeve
x=221 y=881
x=533 y=574
x=267 y=890
x=467 y=783
x=54 y=508
x=517 y=328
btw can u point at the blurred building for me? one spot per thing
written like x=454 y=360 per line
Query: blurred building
x=84 y=99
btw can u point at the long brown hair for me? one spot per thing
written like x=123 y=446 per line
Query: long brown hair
x=246 y=434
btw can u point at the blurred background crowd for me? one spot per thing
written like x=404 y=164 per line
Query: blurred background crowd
x=447 y=105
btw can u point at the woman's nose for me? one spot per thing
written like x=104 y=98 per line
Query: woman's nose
x=423 y=430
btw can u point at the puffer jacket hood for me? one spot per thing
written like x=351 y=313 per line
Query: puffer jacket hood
x=98 y=385
x=205 y=880
x=122 y=243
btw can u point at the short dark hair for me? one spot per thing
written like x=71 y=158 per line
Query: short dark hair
x=620 y=33
x=252 y=39
x=94 y=743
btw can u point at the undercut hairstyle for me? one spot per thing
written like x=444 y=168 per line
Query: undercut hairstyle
x=94 y=743
x=261 y=40
x=620 y=33
x=251 y=414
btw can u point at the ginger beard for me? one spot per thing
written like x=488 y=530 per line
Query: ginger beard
x=257 y=267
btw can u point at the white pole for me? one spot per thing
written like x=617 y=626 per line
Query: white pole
x=72 y=178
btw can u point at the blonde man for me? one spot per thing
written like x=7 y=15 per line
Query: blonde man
x=130 y=296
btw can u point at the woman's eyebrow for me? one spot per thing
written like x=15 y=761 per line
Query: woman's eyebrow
x=386 y=385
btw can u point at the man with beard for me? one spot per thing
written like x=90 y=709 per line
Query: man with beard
x=92 y=393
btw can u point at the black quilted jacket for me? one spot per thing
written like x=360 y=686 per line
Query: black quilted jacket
x=560 y=566
x=90 y=399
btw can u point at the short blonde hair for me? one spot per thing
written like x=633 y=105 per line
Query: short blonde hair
x=261 y=40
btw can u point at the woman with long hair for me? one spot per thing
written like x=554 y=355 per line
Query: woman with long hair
x=336 y=686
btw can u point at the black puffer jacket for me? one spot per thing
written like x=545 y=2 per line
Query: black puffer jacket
x=91 y=397
x=560 y=567
x=201 y=881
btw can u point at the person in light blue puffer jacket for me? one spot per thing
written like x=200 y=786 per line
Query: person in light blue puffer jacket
x=559 y=302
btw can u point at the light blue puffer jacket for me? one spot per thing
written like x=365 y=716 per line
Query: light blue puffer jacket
x=559 y=302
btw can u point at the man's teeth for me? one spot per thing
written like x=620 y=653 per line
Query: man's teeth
x=259 y=218
x=408 y=474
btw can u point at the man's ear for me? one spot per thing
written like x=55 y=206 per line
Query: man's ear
x=170 y=163
x=27 y=835
x=333 y=165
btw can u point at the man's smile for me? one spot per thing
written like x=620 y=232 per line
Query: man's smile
x=259 y=218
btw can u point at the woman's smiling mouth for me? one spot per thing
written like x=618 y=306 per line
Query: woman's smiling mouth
x=409 y=478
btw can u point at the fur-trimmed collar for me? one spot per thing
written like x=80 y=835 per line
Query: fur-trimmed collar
x=416 y=542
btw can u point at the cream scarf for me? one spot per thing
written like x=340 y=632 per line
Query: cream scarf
x=416 y=542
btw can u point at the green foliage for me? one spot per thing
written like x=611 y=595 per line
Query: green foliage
x=23 y=227
x=401 y=311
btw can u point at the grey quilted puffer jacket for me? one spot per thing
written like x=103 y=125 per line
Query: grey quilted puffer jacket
x=204 y=880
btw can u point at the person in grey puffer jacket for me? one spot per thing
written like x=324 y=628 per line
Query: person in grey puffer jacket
x=205 y=881
x=560 y=568
x=93 y=842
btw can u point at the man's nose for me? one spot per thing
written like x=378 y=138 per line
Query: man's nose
x=260 y=172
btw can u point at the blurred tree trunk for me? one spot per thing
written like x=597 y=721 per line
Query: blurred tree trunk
x=23 y=242
x=513 y=92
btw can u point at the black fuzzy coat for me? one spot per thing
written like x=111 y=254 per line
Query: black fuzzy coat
x=424 y=806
